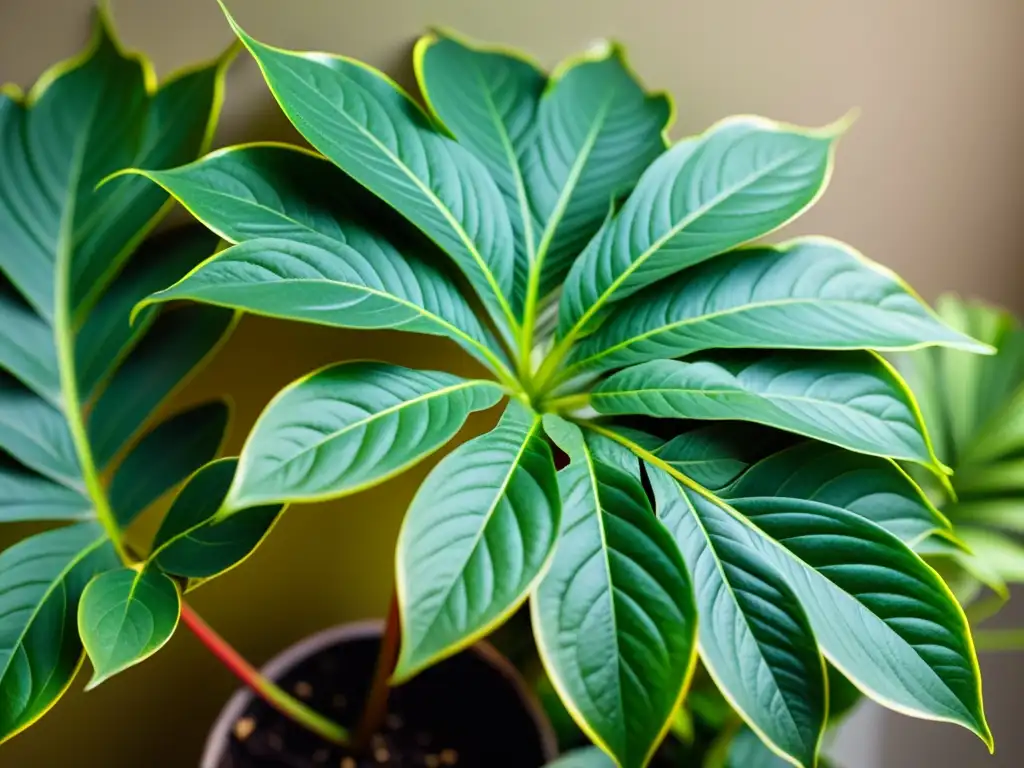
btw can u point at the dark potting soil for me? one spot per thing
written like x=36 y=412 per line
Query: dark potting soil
x=462 y=712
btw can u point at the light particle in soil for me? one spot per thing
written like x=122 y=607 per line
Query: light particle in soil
x=381 y=755
x=339 y=701
x=432 y=761
x=303 y=690
x=244 y=726
x=449 y=757
x=348 y=762
x=275 y=742
x=321 y=756
x=393 y=722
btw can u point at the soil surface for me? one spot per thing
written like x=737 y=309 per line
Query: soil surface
x=462 y=712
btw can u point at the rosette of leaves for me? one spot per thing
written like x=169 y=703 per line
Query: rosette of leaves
x=974 y=407
x=614 y=279
x=79 y=386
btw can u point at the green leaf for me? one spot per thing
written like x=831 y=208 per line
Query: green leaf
x=747 y=751
x=879 y=613
x=376 y=133
x=882 y=616
x=124 y=617
x=716 y=454
x=587 y=757
x=854 y=400
x=107 y=335
x=26 y=346
x=811 y=293
x=41 y=581
x=36 y=434
x=488 y=100
x=168 y=454
x=194 y=542
x=350 y=426
x=178 y=342
x=874 y=488
x=478 y=535
x=335 y=285
x=25 y=495
x=614 y=617
x=755 y=638
x=708 y=194
x=993 y=552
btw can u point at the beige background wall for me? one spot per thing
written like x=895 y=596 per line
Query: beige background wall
x=929 y=181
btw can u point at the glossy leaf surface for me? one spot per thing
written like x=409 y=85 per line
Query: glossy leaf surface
x=41 y=582
x=478 y=534
x=811 y=293
x=194 y=542
x=305 y=254
x=350 y=426
x=614 y=617
x=852 y=400
x=164 y=457
x=755 y=638
x=124 y=617
x=706 y=195
x=376 y=133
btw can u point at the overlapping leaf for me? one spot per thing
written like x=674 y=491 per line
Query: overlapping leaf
x=811 y=293
x=614 y=616
x=849 y=399
x=478 y=534
x=303 y=253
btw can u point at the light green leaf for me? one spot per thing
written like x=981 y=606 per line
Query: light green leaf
x=194 y=542
x=41 y=581
x=172 y=451
x=854 y=400
x=107 y=335
x=755 y=639
x=478 y=535
x=874 y=488
x=36 y=434
x=747 y=751
x=25 y=495
x=614 y=617
x=993 y=552
x=124 y=617
x=810 y=293
x=178 y=342
x=377 y=134
x=736 y=182
x=586 y=757
x=350 y=426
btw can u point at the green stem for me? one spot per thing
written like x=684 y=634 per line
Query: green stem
x=568 y=403
x=64 y=339
x=271 y=693
x=999 y=639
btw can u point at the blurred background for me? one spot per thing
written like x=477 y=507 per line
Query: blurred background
x=929 y=182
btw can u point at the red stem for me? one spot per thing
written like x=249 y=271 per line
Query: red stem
x=275 y=696
x=376 y=707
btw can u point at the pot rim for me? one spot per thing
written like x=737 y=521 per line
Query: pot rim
x=280 y=664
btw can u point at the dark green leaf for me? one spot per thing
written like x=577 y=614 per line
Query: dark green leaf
x=854 y=400
x=755 y=639
x=172 y=451
x=376 y=133
x=349 y=426
x=27 y=350
x=747 y=751
x=738 y=181
x=716 y=454
x=811 y=293
x=124 y=617
x=614 y=617
x=478 y=534
x=41 y=581
x=178 y=342
x=36 y=434
x=194 y=542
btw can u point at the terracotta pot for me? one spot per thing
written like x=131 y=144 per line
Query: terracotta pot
x=482 y=703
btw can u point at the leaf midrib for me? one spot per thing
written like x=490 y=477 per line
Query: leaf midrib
x=672 y=232
x=331 y=436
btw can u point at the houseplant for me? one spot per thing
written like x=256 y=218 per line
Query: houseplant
x=79 y=386
x=599 y=255
x=594 y=249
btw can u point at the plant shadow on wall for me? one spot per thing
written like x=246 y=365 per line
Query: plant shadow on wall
x=729 y=442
